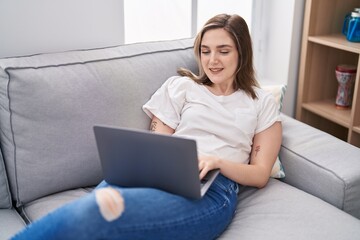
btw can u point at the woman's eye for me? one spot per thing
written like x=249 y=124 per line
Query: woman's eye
x=224 y=52
x=205 y=52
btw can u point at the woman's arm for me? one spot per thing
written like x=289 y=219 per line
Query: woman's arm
x=158 y=126
x=265 y=149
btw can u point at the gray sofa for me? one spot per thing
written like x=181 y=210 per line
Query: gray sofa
x=49 y=103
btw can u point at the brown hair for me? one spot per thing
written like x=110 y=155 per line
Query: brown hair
x=239 y=32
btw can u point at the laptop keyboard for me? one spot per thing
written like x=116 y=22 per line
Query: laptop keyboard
x=203 y=181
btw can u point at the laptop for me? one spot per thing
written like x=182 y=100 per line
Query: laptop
x=135 y=158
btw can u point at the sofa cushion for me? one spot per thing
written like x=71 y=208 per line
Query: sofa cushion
x=278 y=91
x=321 y=165
x=10 y=223
x=50 y=102
x=42 y=206
x=5 y=196
x=280 y=211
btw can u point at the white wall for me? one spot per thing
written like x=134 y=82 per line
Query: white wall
x=289 y=107
x=28 y=27
x=277 y=30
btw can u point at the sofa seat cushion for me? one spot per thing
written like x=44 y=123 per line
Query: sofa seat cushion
x=40 y=207
x=280 y=211
x=10 y=223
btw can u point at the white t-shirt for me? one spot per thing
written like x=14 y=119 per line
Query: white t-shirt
x=222 y=126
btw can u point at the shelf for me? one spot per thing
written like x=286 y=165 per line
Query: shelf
x=336 y=41
x=328 y=110
x=356 y=129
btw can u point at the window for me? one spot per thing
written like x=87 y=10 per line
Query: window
x=156 y=20
x=164 y=20
x=210 y=8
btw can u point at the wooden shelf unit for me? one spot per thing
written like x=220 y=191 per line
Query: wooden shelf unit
x=323 y=48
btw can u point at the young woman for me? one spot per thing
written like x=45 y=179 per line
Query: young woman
x=237 y=129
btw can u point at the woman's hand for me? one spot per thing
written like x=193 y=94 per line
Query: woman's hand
x=207 y=163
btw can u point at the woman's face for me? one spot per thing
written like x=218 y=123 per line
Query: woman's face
x=219 y=56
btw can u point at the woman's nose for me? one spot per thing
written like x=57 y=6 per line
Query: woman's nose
x=214 y=59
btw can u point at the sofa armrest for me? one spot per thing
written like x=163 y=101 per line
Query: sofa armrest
x=321 y=165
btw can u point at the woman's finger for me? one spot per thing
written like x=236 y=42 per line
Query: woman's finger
x=203 y=173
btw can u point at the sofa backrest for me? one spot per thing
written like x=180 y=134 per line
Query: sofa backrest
x=50 y=102
x=5 y=197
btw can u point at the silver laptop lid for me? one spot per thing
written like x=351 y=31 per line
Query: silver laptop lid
x=134 y=158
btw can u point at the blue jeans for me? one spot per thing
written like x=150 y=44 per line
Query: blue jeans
x=149 y=214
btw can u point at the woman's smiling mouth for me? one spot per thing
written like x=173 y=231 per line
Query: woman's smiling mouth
x=215 y=70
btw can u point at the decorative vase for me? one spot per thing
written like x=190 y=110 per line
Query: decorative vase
x=345 y=75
